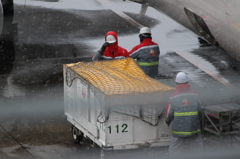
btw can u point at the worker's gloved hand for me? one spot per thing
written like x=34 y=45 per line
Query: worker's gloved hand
x=104 y=46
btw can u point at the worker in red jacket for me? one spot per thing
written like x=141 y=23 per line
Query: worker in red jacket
x=146 y=53
x=184 y=111
x=110 y=49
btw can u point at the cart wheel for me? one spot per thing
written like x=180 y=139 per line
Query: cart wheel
x=77 y=135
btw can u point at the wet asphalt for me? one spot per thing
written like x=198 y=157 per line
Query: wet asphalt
x=32 y=116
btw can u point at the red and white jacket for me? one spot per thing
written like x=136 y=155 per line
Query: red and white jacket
x=113 y=51
x=147 y=55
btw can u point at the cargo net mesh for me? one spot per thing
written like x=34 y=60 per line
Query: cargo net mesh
x=127 y=89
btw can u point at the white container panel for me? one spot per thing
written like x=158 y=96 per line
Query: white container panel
x=82 y=98
x=144 y=132
x=164 y=132
x=119 y=130
x=93 y=107
x=102 y=133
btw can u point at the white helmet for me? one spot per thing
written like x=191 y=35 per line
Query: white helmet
x=145 y=30
x=110 y=39
x=181 y=78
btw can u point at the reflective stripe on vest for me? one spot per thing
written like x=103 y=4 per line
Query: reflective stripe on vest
x=185 y=113
x=185 y=133
x=147 y=63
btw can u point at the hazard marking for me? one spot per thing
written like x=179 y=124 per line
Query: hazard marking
x=185 y=102
x=152 y=53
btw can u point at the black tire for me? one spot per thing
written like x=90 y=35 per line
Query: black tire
x=77 y=135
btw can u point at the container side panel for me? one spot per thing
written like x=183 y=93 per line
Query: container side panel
x=144 y=132
x=93 y=101
x=81 y=97
x=119 y=130
x=102 y=133
x=68 y=96
x=164 y=132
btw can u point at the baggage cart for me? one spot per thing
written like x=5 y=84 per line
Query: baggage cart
x=115 y=104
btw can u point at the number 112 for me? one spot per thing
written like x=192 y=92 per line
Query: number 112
x=124 y=128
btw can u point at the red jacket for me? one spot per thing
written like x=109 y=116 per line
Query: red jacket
x=113 y=51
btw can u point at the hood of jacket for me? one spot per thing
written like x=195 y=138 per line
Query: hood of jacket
x=113 y=47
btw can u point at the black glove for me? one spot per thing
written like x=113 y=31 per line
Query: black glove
x=104 y=46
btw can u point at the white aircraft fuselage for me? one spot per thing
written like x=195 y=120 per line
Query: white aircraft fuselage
x=217 y=21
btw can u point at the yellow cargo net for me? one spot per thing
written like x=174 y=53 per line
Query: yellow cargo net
x=117 y=77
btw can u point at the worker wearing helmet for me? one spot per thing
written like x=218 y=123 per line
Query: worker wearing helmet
x=146 y=53
x=110 y=49
x=184 y=111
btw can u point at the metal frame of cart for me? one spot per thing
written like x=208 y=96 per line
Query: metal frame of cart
x=223 y=119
